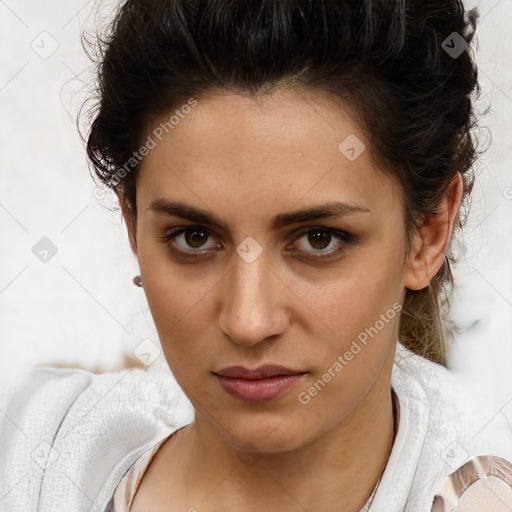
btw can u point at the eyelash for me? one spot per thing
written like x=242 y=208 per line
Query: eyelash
x=345 y=238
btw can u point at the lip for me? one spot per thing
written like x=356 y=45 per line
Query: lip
x=265 y=383
x=261 y=372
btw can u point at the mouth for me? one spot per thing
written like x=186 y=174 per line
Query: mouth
x=261 y=372
x=265 y=383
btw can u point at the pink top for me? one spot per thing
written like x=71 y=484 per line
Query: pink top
x=484 y=482
x=127 y=487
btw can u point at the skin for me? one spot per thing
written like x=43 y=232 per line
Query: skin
x=247 y=160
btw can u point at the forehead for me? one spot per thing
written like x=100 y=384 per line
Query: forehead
x=290 y=144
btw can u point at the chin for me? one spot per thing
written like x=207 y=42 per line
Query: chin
x=267 y=433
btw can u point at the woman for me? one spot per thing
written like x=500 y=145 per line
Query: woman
x=291 y=174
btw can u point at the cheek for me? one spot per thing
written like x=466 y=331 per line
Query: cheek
x=166 y=284
x=354 y=299
x=363 y=316
x=361 y=309
x=179 y=310
x=177 y=303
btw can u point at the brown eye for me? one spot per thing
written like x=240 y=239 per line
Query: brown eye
x=319 y=239
x=313 y=245
x=313 y=242
x=195 y=238
x=185 y=240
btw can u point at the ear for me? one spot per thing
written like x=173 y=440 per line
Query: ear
x=428 y=249
x=131 y=222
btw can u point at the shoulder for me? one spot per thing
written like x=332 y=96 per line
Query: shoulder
x=452 y=424
x=32 y=405
x=50 y=394
x=69 y=429
x=35 y=401
x=458 y=408
x=482 y=483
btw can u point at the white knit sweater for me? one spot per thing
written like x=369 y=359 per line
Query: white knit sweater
x=68 y=436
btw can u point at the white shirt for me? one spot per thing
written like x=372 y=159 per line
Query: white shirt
x=67 y=437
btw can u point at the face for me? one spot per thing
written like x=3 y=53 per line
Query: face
x=250 y=282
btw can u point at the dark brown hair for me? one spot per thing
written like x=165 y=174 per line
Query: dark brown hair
x=402 y=68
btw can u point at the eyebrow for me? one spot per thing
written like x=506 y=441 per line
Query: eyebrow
x=334 y=209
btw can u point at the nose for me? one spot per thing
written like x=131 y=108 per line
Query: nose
x=252 y=307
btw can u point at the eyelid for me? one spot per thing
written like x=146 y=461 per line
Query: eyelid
x=173 y=233
x=344 y=237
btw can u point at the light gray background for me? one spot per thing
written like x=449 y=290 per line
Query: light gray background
x=82 y=308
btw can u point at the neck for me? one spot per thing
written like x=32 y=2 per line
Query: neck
x=336 y=471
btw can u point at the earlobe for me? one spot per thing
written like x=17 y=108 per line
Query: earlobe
x=428 y=248
x=417 y=274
